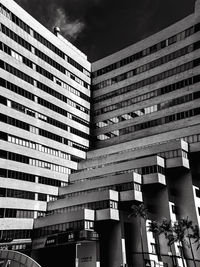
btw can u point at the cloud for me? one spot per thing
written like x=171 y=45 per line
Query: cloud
x=69 y=28
x=100 y=27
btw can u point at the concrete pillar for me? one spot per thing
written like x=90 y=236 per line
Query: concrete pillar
x=110 y=238
x=156 y=200
x=181 y=190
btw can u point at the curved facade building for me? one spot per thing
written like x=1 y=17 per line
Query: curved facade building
x=145 y=136
x=44 y=119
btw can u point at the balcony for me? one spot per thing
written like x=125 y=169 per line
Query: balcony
x=107 y=214
x=177 y=162
x=131 y=195
x=154 y=178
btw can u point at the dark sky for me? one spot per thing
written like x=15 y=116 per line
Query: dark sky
x=101 y=27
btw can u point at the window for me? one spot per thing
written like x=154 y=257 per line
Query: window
x=197 y=191
x=148 y=110
x=50 y=61
x=14 y=213
x=41 y=39
x=174 y=210
x=16 y=56
x=42 y=197
x=137 y=187
x=160 y=91
x=17 y=73
x=15 y=234
x=16 y=193
x=153 y=248
x=15 y=37
x=153 y=123
x=180 y=36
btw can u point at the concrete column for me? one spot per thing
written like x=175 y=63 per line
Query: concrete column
x=181 y=190
x=156 y=200
x=110 y=238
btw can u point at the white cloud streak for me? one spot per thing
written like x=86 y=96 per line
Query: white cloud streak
x=68 y=27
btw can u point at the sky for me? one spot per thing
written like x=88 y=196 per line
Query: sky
x=101 y=27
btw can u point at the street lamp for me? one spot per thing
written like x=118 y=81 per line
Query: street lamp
x=76 y=254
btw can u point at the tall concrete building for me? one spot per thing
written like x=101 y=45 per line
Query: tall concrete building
x=145 y=136
x=44 y=119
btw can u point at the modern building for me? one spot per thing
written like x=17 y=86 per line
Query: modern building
x=145 y=145
x=44 y=119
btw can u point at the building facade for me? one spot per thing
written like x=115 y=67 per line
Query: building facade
x=145 y=133
x=145 y=136
x=45 y=107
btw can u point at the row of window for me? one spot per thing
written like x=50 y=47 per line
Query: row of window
x=59 y=67
x=14 y=193
x=48 y=165
x=19 y=247
x=192 y=138
x=156 y=78
x=150 y=169
x=18 y=90
x=44 y=118
x=164 y=90
x=29 y=47
x=14 y=213
x=150 y=50
x=5 y=173
x=116 y=187
x=41 y=39
x=147 y=110
x=6 y=192
x=34 y=162
x=174 y=154
x=148 y=66
x=52 y=182
x=33 y=82
x=60 y=110
x=16 y=72
x=98 y=205
x=38 y=131
x=153 y=123
x=9 y=235
x=37 y=146
x=189 y=139
x=142 y=171
x=63 y=227
x=15 y=37
x=14 y=18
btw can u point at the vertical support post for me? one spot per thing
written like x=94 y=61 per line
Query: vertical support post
x=76 y=253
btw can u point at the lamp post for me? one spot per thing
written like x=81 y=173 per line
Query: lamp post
x=76 y=254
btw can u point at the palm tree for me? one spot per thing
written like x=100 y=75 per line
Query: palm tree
x=188 y=226
x=140 y=212
x=179 y=236
x=167 y=230
x=178 y=232
x=196 y=235
x=162 y=228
